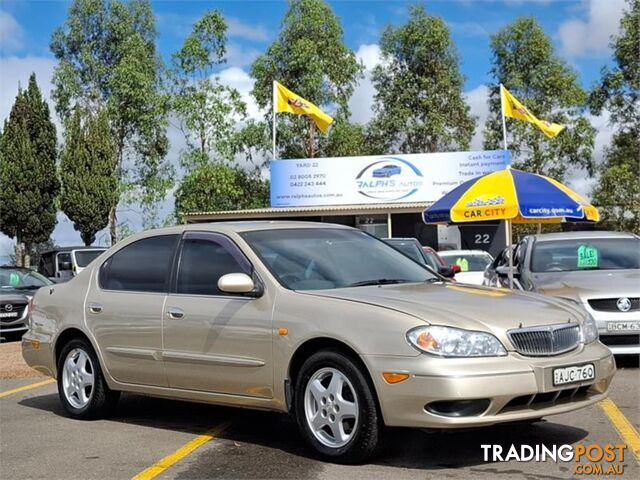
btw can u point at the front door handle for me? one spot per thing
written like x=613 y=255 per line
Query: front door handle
x=95 y=307
x=175 y=313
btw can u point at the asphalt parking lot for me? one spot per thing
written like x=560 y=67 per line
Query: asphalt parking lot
x=155 y=438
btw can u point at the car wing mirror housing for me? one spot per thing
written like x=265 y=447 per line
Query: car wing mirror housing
x=239 y=283
x=504 y=271
x=63 y=266
x=447 y=272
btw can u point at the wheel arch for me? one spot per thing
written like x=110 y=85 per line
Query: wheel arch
x=65 y=337
x=313 y=345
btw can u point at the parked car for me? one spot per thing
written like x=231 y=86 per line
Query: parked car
x=387 y=171
x=472 y=264
x=17 y=286
x=63 y=263
x=323 y=321
x=599 y=271
x=432 y=254
x=412 y=249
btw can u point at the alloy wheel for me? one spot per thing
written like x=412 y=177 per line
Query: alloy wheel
x=78 y=378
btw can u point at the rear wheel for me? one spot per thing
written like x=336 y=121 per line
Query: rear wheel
x=81 y=386
x=335 y=408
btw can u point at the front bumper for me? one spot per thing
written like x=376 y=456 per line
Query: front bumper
x=516 y=387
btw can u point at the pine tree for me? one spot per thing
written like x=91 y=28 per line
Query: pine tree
x=28 y=181
x=87 y=171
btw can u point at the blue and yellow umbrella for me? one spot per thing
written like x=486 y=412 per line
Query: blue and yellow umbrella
x=511 y=195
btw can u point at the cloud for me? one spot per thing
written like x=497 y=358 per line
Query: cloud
x=361 y=102
x=591 y=36
x=239 y=29
x=240 y=55
x=11 y=34
x=478 y=101
x=240 y=80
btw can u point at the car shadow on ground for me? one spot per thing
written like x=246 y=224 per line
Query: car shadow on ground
x=274 y=437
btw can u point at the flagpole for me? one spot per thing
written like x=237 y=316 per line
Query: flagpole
x=504 y=122
x=273 y=128
x=507 y=223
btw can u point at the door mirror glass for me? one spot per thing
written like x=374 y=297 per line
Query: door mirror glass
x=236 y=283
x=64 y=266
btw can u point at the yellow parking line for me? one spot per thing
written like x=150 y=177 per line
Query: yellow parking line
x=624 y=427
x=159 y=467
x=6 y=393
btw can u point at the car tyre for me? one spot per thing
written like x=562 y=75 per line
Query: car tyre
x=340 y=421
x=83 y=391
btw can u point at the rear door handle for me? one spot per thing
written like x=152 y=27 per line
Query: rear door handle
x=175 y=313
x=95 y=307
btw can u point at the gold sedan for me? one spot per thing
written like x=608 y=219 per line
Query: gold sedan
x=323 y=321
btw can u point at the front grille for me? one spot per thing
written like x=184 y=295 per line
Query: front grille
x=617 y=340
x=14 y=308
x=546 y=339
x=611 y=304
x=548 y=399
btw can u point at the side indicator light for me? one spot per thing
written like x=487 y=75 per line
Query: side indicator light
x=282 y=331
x=392 y=377
x=35 y=344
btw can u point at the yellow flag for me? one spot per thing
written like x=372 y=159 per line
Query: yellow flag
x=511 y=107
x=287 y=101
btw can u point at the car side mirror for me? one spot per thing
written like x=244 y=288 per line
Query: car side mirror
x=504 y=271
x=456 y=268
x=236 y=283
x=64 y=266
x=447 y=272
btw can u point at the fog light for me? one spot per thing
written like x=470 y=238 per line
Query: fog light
x=458 y=408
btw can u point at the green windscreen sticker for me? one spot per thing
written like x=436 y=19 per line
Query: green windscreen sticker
x=14 y=279
x=587 y=257
x=463 y=263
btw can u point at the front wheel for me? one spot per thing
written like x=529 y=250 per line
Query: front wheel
x=336 y=409
x=82 y=388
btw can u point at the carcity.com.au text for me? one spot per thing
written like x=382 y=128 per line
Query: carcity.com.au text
x=592 y=459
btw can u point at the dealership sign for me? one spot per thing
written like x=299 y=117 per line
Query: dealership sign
x=423 y=177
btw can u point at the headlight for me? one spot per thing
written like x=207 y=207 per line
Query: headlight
x=589 y=330
x=455 y=342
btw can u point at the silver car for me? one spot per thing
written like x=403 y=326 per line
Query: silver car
x=600 y=271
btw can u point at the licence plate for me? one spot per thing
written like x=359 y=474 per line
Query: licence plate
x=574 y=374
x=623 y=326
x=9 y=315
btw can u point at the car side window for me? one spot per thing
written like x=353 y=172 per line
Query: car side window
x=202 y=263
x=143 y=266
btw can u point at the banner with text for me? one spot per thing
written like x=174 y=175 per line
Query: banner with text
x=421 y=177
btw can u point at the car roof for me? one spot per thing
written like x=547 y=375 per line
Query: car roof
x=398 y=239
x=543 y=237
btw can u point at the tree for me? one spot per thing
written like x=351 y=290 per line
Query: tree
x=419 y=105
x=524 y=61
x=208 y=111
x=618 y=190
x=310 y=58
x=28 y=181
x=87 y=171
x=107 y=60
x=220 y=187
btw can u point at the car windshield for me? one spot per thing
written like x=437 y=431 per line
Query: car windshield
x=85 y=257
x=21 y=279
x=468 y=262
x=586 y=254
x=325 y=258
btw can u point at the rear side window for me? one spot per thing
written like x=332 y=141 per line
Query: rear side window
x=202 y=263
x=143 y=266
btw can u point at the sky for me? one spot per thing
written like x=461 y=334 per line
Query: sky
x=580 y=30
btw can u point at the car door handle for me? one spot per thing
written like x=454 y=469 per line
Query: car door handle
x=95 y=307
x=175 y=313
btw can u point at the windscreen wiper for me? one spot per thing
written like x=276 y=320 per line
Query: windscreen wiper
x=377 y=281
